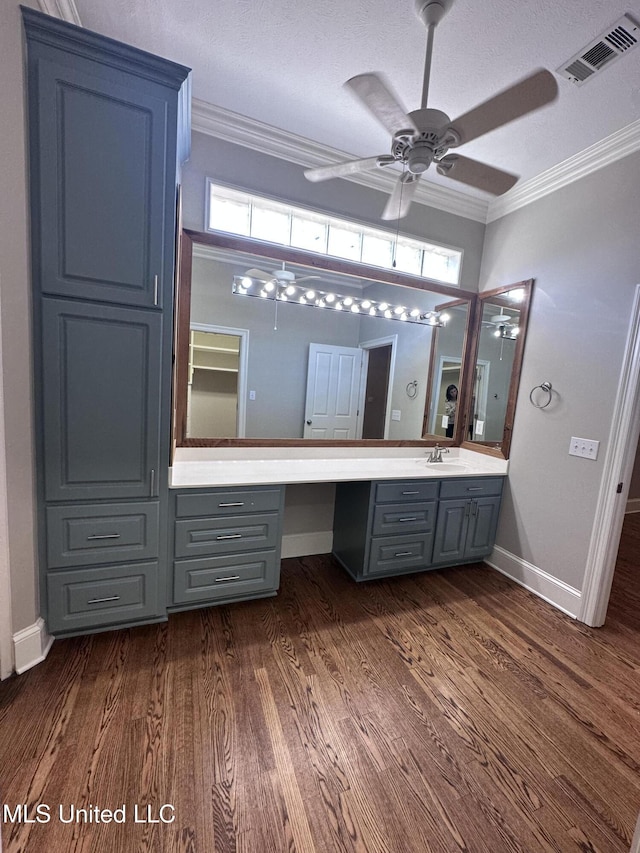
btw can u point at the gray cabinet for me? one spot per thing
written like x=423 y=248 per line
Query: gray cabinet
x=103 y=140
x=393 y=527
x=384 y=528
x=225 y=545
x=467 y=519
x=101 y=390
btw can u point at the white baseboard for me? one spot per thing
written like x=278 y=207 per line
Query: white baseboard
x=633 y=505
x=635 y=843
x=544 y=585
x=31 y=646
x=306 y=544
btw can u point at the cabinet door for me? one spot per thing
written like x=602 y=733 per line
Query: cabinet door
x=103 y=174
x=451 y=531
x=483 y=522
x=101 y=398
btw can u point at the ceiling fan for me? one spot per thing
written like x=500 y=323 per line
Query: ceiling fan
x=424 y=136
x=277 y=277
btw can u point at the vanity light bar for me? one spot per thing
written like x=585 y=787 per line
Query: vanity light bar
x=297 y=294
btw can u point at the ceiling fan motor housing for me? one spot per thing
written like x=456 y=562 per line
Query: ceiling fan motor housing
x=418 y=149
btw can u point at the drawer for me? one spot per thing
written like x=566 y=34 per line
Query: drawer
x=404 y=518
x=228 y=502
x=236 y=575
x=199 y=536
x=391 y=554
x=407 y=490
x=471 y=487
x=92 y=598
x=101 y=533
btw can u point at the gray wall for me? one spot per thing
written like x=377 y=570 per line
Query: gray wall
x=581 y=246
x=14 y=316
x=244 y=168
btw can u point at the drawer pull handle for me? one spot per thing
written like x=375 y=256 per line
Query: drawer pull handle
x=411 y=493
x=240 y=503
x=475 y=488
x=228 y=578
x=95 y=536
x=102 y=600
x=230 y=536
x=403 y=554
x=409 y=518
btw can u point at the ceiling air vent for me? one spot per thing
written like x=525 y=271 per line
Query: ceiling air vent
x=618 y=39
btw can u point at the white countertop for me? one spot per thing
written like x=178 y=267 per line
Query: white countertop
x=255 y=466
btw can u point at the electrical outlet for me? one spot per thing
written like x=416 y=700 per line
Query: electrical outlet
x=585 y=447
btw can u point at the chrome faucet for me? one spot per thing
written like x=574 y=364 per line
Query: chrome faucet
x=436 y=453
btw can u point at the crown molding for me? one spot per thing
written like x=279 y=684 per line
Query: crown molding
x=610 y=149
x=66 y=10
x=232 y=127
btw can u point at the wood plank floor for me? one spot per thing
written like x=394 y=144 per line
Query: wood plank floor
x=448 y=711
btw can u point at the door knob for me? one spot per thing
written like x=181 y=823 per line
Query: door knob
x=309 y=423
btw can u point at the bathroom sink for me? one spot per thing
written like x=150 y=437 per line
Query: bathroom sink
x=448 y=467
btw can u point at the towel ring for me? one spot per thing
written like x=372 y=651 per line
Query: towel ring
x=547 y=388
x=412 y=389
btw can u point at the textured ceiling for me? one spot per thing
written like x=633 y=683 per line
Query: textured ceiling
x=283 y=62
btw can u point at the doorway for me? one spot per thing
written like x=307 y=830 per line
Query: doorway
x=376 y=393
x=614 y=487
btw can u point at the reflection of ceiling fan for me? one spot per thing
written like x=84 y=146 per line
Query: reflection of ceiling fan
x=424 y=136
x=504 y=325
x=282 y=277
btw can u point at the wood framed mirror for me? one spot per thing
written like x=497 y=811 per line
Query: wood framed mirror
x=245 y=367
x=491 y=386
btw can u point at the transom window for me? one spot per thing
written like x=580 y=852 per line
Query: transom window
x=237 y=212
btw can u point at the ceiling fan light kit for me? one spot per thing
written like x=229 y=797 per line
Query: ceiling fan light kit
x=424 y=136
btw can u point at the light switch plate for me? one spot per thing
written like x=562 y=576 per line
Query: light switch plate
x=585 y=447
x=395 y=414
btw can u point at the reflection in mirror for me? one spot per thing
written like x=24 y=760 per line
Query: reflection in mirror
x=445 y=380
x=272 y=369
x=496 y=372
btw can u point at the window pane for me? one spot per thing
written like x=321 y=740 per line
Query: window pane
x=444 y=267
x=227 y=214
x=344 y=242
x=408 y=258
x=310 y=234
x=376 y=250
x=270 y=224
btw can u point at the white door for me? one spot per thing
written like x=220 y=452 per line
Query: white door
x=333 y=386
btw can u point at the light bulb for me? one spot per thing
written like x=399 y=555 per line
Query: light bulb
x=348 y=301
x=290 y=290
x=415 y=312
x=310 y=294
x=338 y=306
x=398 y=310
x=444 y=318
x=355 y=309
x=330 y=298
x=383 y=306
x=388 y=314
x=269 y=286
x=245 y=281
x=366 y=304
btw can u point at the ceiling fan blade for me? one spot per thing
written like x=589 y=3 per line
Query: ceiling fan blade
x=259 y=275
x=340 y=170
x=308 y=278
x=527 y=95
x=475 y=174
x=401 y=197
x=381 y=102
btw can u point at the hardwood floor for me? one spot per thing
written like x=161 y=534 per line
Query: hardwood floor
x=448 y=711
